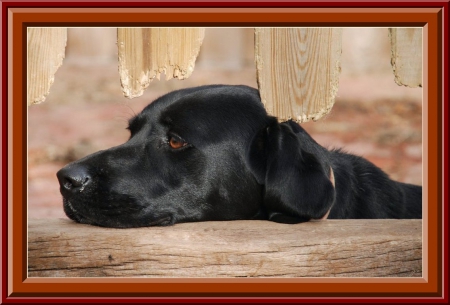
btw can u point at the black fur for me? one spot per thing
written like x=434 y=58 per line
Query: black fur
x=233 y=162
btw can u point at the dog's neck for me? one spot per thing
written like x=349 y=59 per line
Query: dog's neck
x=333 y=183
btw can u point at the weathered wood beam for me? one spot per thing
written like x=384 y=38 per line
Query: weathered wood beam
x=332 y=248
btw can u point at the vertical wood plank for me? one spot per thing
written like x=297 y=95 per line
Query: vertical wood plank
x=45 y=54
x=145 y=53
x=406 y=57
x=298 y=70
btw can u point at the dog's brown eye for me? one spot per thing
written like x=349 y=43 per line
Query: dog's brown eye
x=176 y=142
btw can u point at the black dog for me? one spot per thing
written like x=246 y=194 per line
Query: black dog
x=213 y=153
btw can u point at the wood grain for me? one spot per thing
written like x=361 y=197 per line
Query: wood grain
x=298 y=70
x=406 y=57
x=45 y=54
x=146 y=53
x=332 y=248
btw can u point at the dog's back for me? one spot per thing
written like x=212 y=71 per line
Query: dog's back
x=364 y=191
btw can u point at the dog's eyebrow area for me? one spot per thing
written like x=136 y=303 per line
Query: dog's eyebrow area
x=167 y=120
x=135 y=123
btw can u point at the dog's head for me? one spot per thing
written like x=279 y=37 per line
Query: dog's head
x=204 y=153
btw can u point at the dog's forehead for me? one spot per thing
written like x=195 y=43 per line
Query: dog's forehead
x=208 y=111
x=218 y=109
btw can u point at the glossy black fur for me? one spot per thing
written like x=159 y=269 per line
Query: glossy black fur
x=238 y=163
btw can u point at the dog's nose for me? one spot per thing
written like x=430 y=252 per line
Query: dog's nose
x=73 y=178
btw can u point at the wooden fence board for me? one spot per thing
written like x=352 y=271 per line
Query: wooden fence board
x=331 y=248
x=145 y=53
x=45 y=54
x=298 y=70
x=406 y=57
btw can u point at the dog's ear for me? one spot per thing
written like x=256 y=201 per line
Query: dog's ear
x=298 y=180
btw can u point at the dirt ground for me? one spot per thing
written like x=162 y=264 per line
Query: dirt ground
x=86 y=111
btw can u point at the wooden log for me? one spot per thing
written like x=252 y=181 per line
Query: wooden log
x=298 y=70
x=45 y=54
x=331 y=248
x=406 y=56
x=145 y=53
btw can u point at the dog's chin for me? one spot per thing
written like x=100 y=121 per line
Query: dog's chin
x=110 y=222
x=73 y=214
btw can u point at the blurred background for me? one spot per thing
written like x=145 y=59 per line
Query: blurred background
x=85 y=111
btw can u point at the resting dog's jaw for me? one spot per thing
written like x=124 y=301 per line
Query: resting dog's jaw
x=72 y=213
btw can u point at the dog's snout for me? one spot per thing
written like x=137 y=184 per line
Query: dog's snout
x=73 y=178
